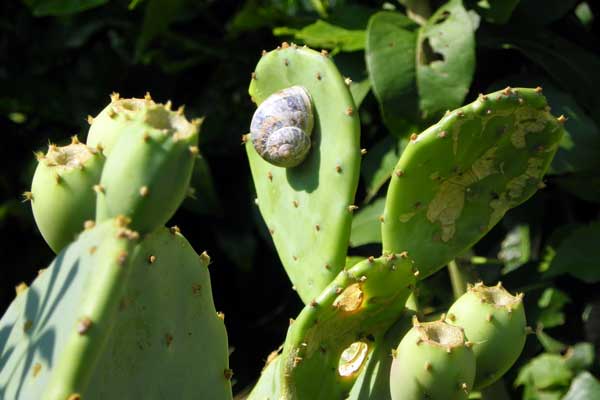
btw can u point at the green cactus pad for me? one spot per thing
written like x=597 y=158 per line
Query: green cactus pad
x=306 y=208
x=61 y=194
x=147 y=175
x=330 y=340
x=105 y=128
x=108 y=320
x=494 y=321
x=458 y=178
x=59 y=325
x=433 y=362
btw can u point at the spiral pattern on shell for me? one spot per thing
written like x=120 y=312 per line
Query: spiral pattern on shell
x=281 y=127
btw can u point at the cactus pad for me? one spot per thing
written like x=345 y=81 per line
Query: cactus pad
x=61 y=194
x=306 y=208
x=494 y=321
x=114 y=319
x=330 y=340
x=432 y=361
x=147 y=174
x=458 y=178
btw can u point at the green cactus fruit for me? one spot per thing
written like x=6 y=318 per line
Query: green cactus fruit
x=494 y=321
x=147 y=174
x=458 y=178
x=61 y=194
x=433 y=361
x=105 y=128
x=307 y=207
x=331 y=339
x=109 y=319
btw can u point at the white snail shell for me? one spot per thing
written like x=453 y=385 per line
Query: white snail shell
x=281 y=127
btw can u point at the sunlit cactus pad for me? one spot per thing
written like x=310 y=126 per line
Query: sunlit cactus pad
x=458 y=178
x=307 y=207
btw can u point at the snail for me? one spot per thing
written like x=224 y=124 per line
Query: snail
x=281 y=127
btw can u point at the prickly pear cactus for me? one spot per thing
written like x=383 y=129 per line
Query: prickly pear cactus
x=373 y=383
x=433 y=361
x=308 y=207
x=330 y=340
x=494 y=321
x=62 y=195
x=148 y=171
x=105 y=128
x=58 y=326
x=458 y=178
x=110 y=319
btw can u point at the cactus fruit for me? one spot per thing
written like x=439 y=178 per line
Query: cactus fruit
x=308 y=208
x=457 y=179
x=147 y=174
x=61 y=194
x=360 y=304
x=433 y=361
x=105 y=128
x=494 y=321
x=93 y=325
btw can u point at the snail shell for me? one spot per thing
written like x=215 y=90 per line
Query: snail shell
x=281 y=127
